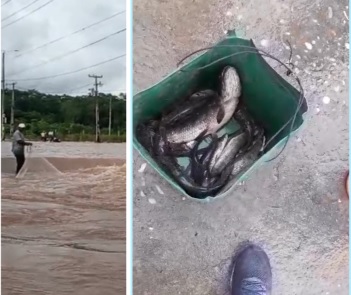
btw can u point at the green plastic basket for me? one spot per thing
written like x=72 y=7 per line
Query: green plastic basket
x=269 y=98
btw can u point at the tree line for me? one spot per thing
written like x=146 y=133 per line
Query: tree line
x=71 y=117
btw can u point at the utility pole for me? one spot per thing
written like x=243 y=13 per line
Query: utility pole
x=3 y=88
x=97 y=119
x=3 y=117
x=110 y=117
x=12 y=120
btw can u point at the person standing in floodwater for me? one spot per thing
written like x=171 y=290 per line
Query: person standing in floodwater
x=18 y=144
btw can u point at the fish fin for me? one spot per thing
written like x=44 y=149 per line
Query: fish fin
x=220 y=115
x=201 y=137
x=173 y=118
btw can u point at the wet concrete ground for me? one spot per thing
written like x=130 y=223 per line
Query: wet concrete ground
x=295 y=207
x=64 y=232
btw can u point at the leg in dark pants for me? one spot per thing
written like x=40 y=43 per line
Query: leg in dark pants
x=20 y=161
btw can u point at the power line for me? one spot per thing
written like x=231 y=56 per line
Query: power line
x=70 y=52
x=65 y=92
x=70 y=91
x=7 y=17
x=78 y=88
x=50 y=92
x=40 y=7
x=69 y=35
x=71 y=72
x=5 y=3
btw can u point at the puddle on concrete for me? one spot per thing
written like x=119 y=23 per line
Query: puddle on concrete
x=64 y=233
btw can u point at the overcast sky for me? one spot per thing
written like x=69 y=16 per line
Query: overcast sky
x=60 y=18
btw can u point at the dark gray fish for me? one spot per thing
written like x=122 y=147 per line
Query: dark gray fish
x=212 y=115
x=247 y=124
x=243 y=162
x=147 y=135
x=188 y=107
x=228 y=153
x=193 y=189
x=180 y=149
x=222 y=142
x=200 y=165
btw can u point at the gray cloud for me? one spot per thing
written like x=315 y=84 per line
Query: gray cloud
x=57 y=19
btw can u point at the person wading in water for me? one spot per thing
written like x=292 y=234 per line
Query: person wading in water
x=18 y=144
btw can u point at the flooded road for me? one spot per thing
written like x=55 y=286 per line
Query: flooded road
x=63 y=223
x=72 y=149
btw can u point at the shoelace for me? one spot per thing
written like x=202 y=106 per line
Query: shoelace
x=253 y=286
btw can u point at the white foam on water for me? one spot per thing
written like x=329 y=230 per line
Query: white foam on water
x=38 y=166
x=90 y=184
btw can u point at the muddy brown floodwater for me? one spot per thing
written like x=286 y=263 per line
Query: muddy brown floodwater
x=63 y=221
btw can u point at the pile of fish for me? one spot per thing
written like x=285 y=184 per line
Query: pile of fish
x=194 y=123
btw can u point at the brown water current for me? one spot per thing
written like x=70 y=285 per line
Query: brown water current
x=64 y=232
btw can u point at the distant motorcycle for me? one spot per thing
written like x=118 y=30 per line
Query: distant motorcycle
x=55 y=139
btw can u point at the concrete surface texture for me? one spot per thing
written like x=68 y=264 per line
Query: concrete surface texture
x=295 y=207
x=64 y=233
